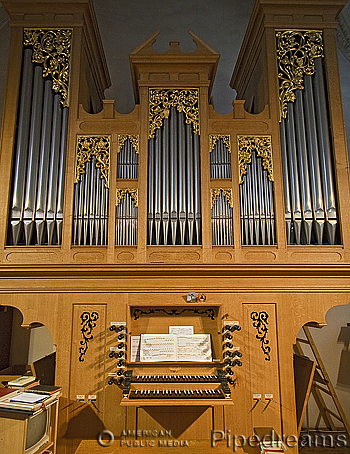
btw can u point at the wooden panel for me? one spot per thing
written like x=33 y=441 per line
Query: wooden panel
x=87 y=376
x=186 y=423
x=261 y=357
x=12 y=433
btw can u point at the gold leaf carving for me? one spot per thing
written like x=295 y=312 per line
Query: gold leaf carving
x=160 y=102
x=213 y=138
x=134 y=140
x=296 y=52
x=88 y=146
x=214 y=194
x=120 y=194
x=51 y=48
x=262 y=146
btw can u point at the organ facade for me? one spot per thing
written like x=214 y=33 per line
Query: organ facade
x=110 y=220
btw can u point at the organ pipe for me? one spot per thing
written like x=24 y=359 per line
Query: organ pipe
x=36 y=213
x=128 y=156
x=126 y=217
x=174 y=204
x=309 y=187
x=91 y=191
x=220 y=156
x=256 y=190
x=221 y=217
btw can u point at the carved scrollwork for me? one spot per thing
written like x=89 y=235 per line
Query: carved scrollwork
x=136 y=313
x=161 y=100
x=262 y=146
x=214 y=194
x=88 y=146
x=88 y=322
x=134 y=140
x=296 y=53
x=120 y=194
x=213 y=138
x=51 y=48
x=260 y=322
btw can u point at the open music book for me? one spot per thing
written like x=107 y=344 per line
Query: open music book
x=175 y=347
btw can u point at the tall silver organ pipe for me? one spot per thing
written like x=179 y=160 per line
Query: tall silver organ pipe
x=36 y=212
x=309 y=187
x=91 y=191
x=126 y=217
x=221 y=217
x=174 y=204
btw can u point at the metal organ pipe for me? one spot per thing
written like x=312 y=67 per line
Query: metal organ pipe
x=314 y=162
x=126 y=209
x=286 y=186
x=61 y=174
x=174 y=183
x=21 y=154
x=39 y=160
x=325 y=147
x=33 y=154
x=165 y=181
x=307 y=165
x=221 y=219
x=256 y=199
x=303 y=167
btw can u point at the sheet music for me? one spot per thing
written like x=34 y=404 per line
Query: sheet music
x=195 y=347
x=180 y=329
x=172 y=347
x=158 y=347
x=135 y=345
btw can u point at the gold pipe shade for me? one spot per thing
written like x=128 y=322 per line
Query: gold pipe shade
x=296 y=52
x=161 y=100
x=88 y=146
x=51 y=48
x=213 y=138
x=214 y=194
x=262 y=146
x=120 y=194
x=134 y=140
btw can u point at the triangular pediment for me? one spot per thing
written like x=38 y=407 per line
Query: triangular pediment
x=151 y=68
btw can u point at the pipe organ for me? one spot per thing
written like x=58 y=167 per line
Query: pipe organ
x=174 y=217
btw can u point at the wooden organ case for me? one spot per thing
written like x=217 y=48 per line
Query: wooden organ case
x=110 y=220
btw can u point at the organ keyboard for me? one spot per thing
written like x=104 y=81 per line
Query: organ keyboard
x=196 y=389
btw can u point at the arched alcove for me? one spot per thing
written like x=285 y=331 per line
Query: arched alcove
x=25 y=349
x=322 y=378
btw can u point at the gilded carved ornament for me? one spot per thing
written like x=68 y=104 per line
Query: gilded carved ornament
x=214 y=194
x=51 y=48
x=213 y=138
x=161 y=100
x=262 y=146
x=296 y=53
x=120 y=194
x=134 y=140
x=88 y=146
